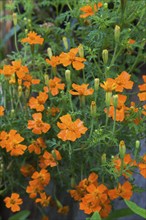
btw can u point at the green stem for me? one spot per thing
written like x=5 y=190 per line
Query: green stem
x=92 y=126
x=107 y=116
x=15 y=39
x=114 y=125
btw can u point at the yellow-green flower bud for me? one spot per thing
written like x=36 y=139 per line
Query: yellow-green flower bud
x=105 y=5
x=137 y=144
x=67 y=76
x=103 y=158
x=122 y=149
x=49 y=52
x=108 y=96
x=14 y=18
x=96 y=84
x=117 y=33
x=46 y=78
x=65 y=43
x=105 y=56
x=93 y=109
x=81 y=50
x=19 y=91
x=115 y=101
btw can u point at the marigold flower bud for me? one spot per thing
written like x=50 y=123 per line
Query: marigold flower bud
x=105 y=56
x=12 y=112
x=137 y=144
x=58 y=203
x=123 y=4
x=49 y=52
x=65 y=42
x=117 y=33
x=27 y=92
x=14 y=18
x=108 y=96
x=105 y=5
x=115 y=101
x=67 y=76
x=19 y=91
x=46 y=78
x=72 y=182
x=81 y=50
x=96 y=84
x=93 y=109
x=103 y=158
x=122 y=149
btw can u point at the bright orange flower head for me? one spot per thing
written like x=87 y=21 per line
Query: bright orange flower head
x=120 y=110
x=55 y=86
x=1 y=111
x=109 y=85
x=13 y=202
x=54 y=61
x=19 y=69
x=38 y=102
x=28 y=80
x=131 y=41
x=142 y=166
x=50 y=159
x=11 y=142
x=7 y=71
x=124 y=191
x=123 y=82
x=89 y=10
x=33 y=38
x=128 y=164
x=41 y=178
x=81 y=90
x=37 y=146
x=37 y=125
x=142 y=89
x=44 y=200
x=70 y=58
x=70 y=130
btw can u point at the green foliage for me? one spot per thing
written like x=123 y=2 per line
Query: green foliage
x=22 y=215
x=136 y=209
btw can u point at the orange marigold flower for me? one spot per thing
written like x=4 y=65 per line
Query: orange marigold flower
x=1 y=111
x=80 y=190
x=70 y=58
x=13 y=202
x=37 y=125
x=11 y=141
x=44 y=200
x=37 y=146
x=41 y=178
x=19 y=69
x=54 y=61
x=89 y=10
x=142 y=166
x=128 y=163
x=142 y=88
x=33 y=38
x=54 y=111
x=7 y=71
x=109 y=85
x=131 y=41
x=50 y=159
x=120 y=110
x=45 y=218
x=81 y=90
x=34 y=188
x=38 y=102
x=123 y=82
x=27 y=170
x=55 y=86
x=124 y=191
x=70 y=130
x=28 y=80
